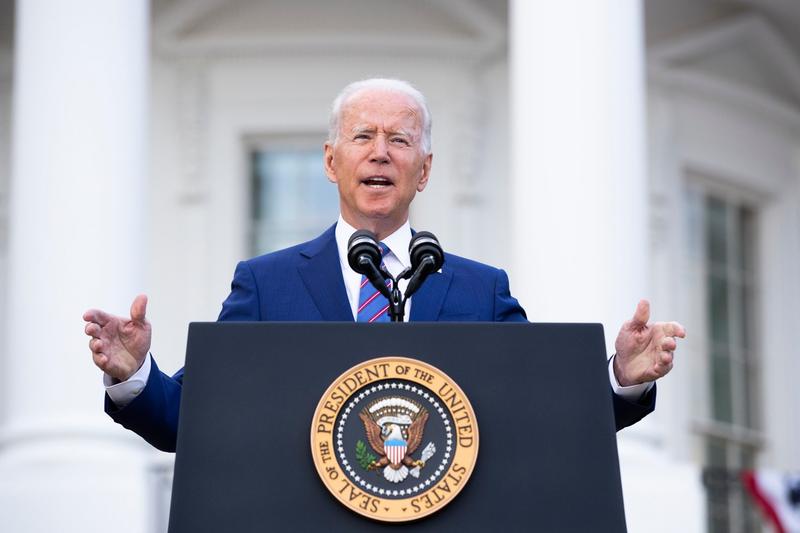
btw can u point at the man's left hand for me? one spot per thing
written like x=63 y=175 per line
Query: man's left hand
x=645 y=351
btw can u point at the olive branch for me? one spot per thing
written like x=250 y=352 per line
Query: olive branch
x=363 y=456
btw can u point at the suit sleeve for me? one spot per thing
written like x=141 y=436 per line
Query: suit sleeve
x=506 y=307
x=242 y=304
x=626 y=412
x=153 y=414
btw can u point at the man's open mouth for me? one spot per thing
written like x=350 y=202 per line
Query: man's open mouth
x=377 y=181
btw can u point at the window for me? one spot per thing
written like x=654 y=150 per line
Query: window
x=730 y=285
x=723 y=227
x=291 y=198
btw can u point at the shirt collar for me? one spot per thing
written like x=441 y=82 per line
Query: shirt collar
x=397 y=242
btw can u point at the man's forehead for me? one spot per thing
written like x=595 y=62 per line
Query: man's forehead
x=371 y=106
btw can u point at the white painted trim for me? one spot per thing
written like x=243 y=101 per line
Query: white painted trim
x=169 y=24
x=723 y=35
x=781 y=52
x=726 y=91
x=310 y=44
x=181 y=13
x=719 y=183
x=707 y=40
x=475 y=16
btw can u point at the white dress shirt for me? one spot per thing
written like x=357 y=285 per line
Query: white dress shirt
x=396 y=260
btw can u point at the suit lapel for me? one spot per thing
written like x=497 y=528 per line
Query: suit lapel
x=427 y=302
x=322 y=276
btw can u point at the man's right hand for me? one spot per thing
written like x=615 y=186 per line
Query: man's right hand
x=119 y=345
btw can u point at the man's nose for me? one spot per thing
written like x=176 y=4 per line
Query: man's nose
x=380 y=150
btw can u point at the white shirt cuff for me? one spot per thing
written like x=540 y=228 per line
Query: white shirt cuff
x=632 y=393
x=124 y=392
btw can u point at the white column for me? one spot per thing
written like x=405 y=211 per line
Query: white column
x=79 y=164
x=578 y=175
x=580 y=204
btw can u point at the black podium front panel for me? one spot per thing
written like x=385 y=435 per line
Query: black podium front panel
x=547 y=460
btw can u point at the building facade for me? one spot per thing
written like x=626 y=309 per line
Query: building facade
x=601 y=152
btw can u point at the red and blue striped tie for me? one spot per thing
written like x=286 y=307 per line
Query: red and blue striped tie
x=372 y=305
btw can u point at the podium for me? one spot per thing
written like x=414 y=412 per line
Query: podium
x=547 y=459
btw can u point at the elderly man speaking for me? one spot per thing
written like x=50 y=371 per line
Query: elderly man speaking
x=378 y=154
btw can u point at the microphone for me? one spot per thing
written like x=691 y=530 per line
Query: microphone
x=364 y=256
x=427 y=256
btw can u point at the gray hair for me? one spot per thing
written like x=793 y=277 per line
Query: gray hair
x=385 y=84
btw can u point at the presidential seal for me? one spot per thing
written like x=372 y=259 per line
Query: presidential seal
x=394 y=439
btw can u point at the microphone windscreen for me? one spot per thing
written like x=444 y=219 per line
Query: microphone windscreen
x=423 y=244
x=363 y=243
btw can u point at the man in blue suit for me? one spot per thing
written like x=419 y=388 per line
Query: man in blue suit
x=379 y=155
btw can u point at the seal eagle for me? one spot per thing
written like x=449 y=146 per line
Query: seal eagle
x=392 y=443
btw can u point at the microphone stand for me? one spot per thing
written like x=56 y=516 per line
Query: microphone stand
x=363 y=255
x=397 y=300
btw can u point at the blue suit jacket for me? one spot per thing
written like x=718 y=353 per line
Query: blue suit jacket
x=304 y=283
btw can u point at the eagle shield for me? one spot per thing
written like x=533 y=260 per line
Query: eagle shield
x=395 y=451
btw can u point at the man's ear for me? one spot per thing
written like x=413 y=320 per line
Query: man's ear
x=328 y=161
x=426 y=171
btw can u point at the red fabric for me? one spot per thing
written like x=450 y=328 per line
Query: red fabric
x=749 y=481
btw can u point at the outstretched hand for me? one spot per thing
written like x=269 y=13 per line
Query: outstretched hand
x=119 y=345
x=645 y=351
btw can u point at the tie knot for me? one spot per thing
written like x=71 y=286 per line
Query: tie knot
x=384 y=249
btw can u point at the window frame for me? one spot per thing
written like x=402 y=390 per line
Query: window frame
x=276 y=141
x=744 y=433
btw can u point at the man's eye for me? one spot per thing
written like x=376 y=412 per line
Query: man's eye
x=361 y=136
x=400 y=140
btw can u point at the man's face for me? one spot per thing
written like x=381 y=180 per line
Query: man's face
x=377 y=160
